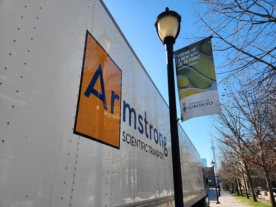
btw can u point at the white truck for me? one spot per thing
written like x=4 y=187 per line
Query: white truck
x=81 y=122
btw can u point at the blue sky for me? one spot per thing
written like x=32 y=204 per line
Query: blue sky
x=136 y=19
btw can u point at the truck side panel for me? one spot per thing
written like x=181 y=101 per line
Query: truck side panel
x=43 y=163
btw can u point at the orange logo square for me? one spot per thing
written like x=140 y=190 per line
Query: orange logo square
x=99 y=106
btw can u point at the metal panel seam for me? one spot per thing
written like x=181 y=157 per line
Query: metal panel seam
x=142 y=203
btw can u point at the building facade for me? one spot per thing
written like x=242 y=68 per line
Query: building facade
x=210 y=175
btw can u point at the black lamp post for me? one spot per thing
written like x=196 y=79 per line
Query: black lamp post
x=218 y=184
x=168 y=26
x=213 y=165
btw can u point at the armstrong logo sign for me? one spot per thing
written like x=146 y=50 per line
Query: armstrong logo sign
x=99 y=104
x=98 y=114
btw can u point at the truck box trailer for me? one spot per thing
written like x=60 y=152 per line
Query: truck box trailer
x=81 y=122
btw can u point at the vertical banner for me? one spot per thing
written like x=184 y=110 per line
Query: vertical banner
x=196 y=80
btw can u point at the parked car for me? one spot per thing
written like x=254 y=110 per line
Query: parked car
x=274 y=191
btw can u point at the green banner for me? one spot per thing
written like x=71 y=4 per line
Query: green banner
x=196 y=75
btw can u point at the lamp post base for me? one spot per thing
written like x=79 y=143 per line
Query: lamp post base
x=218 y=202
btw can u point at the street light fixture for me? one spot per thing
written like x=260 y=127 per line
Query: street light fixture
x=167 y=27
x=213 y=165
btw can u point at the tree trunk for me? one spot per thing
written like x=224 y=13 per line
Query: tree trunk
x=250 y=183
x=239 y=183
x=272 y=199
x=245 y=186
x=237 y=188
x=232 y=187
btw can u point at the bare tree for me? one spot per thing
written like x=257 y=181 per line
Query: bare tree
x=231 y=151
x=245 y=34
x=247 y=127
x=259 y=131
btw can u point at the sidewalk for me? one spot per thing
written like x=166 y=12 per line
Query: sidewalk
x=226 y=200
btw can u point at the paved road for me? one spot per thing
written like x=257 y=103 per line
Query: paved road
x=212 y=194
x=226 y=200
